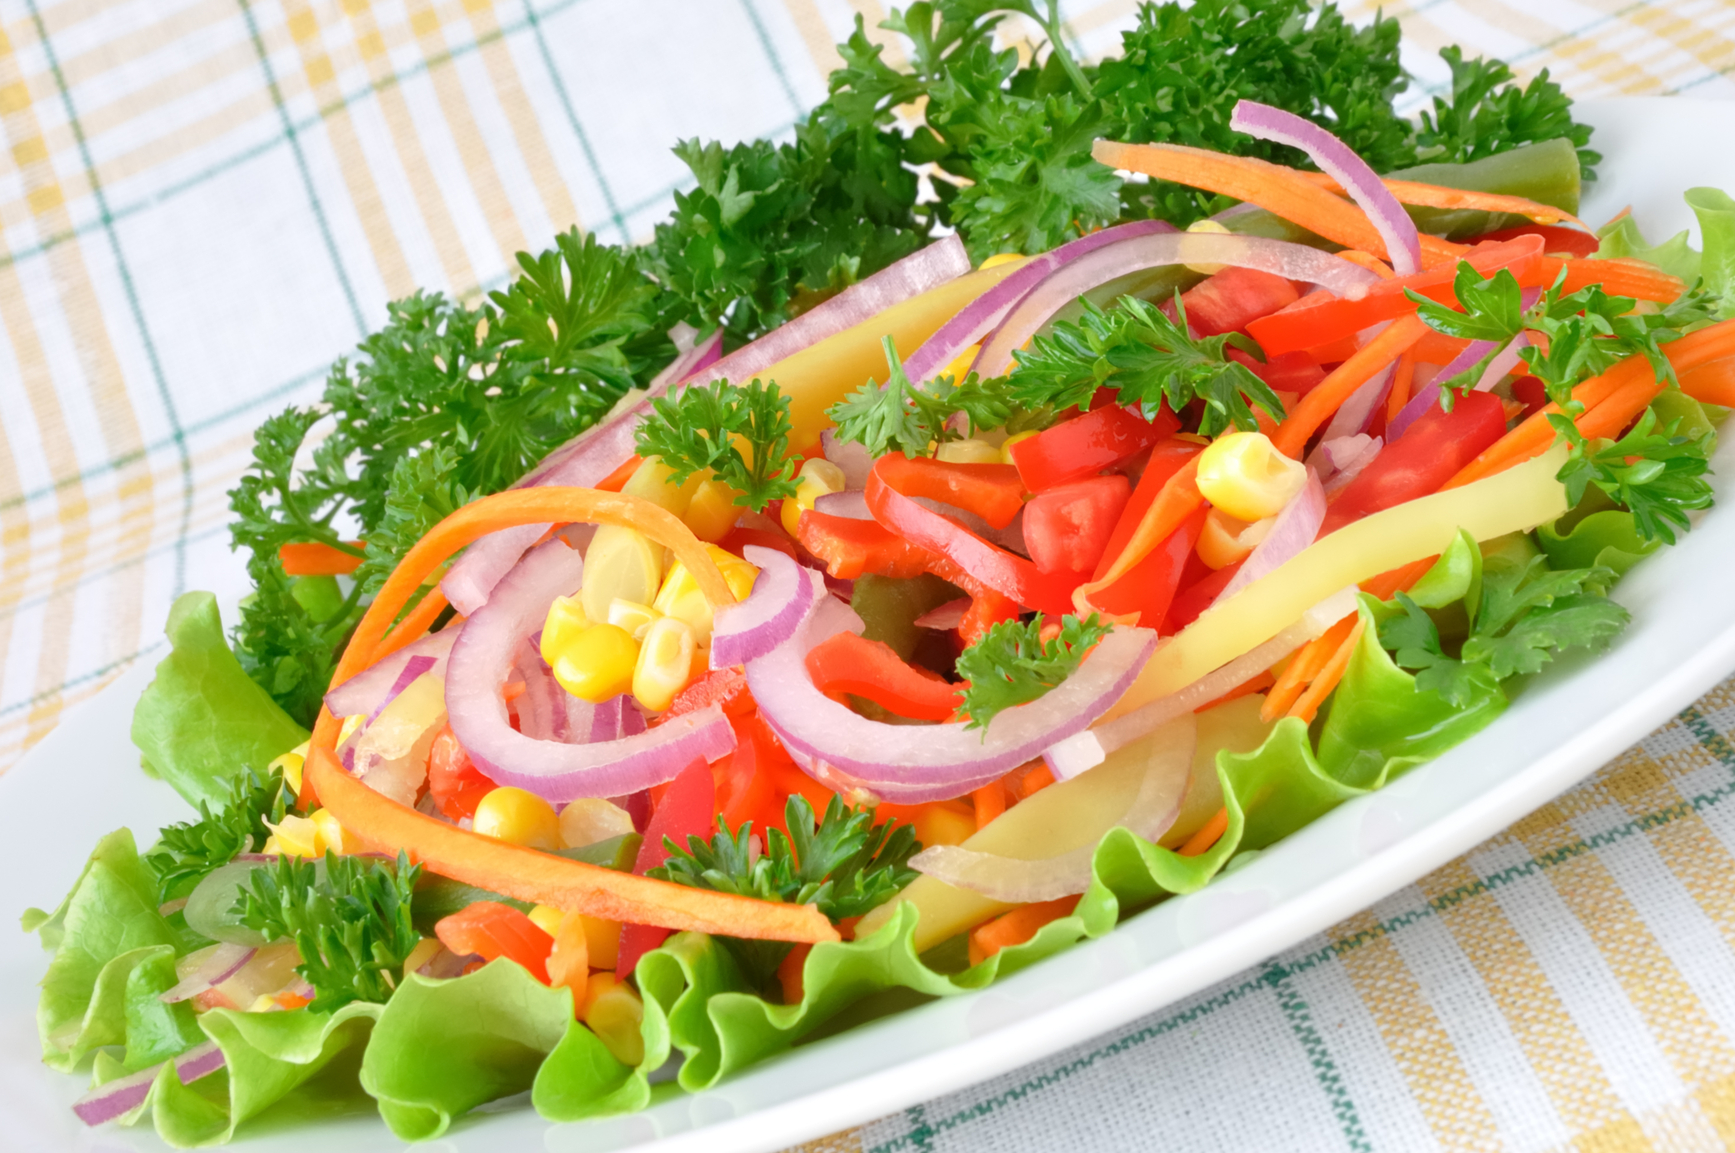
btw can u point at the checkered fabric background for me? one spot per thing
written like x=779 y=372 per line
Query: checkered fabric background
x=204 y=202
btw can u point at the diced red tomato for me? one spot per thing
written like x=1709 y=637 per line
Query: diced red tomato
x=1291 y=372
x=1066 y=529
x=688 y=809
x=848 y=663
x=745 y=787
x=1087 y=444
x=1228 y=300
x=1555 y=239
x=456 y=785
x=1431 y=450
x=1531 y=393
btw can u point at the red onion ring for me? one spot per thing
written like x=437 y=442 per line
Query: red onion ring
x=1296 y=525
x=948 y=616
x=852 y=503
x=587 y=459
x=1337 y=160
x=483 y=656
x=850 y=456
x=224 y=962
x=376 y=686
x=1072 y=280
x=1016 y=881
x=782 y=593
x=910 y=764
x=121 y=1096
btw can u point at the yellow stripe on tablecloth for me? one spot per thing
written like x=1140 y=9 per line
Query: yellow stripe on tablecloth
x=848 y=1142
x=1419 y=1045
x=460 y=119
x=526 y=127
x=1545 y=1032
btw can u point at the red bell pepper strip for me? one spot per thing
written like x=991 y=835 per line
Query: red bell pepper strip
x=1228 y=300
x=993 y=492
x=1294 y=372
x=491 y=929
x=1321 y=318
x=1166 y=459
x=1087 y=444
x=1197 y=597
x=987 y=609
x=1431 y=450
x=848 y=663
x=688 y=809
x=1066 y=529
x=1149 y=587
x=852 y=547
x=1177 y=500
x=1555 y=239
x=745 y=788
x=1005 y=572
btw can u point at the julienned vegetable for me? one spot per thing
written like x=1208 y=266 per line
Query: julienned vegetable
x=821 y=670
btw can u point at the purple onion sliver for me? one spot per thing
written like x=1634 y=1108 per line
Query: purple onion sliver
x=850 y=456
x=851 y=504
x=1339 y=161
x=1295 y=528
x=124 y=1094
x=413 y=668
x=1504 y=362
x=366 y=692
x=771 y=613
x=224 y=962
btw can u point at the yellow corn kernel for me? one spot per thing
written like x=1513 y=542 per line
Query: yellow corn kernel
x=620 y=562
x=523 y=818
x=598 y=664
x=632 y=617
x=943 y=825
x=330 y=835
x=665 y=663
x=1243 y=474
x=818 y=477
x=1224 y=540
x=424 y=952
x=1209 y=226
x=591 y=819
x=1000 y=258
x=970 y=451
x=615 y=1013
x=296 y=836
x=738 y=574
x=654 y=481
x=288 y=765
x=681 y=598
x=547 y=918
x=602 y=939
x=712 y=512
x=564 y=622
x=1015 y=438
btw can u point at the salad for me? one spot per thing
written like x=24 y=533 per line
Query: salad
x=856 y=595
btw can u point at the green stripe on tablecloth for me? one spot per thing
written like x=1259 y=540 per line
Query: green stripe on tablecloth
x=1276 y=973
x=1300 y=1018
x=596 y=172
x=771 y=55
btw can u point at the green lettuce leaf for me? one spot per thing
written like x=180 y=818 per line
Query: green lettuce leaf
x=1608 y=538
x=1716 y=213
x=203 y=719
x=1622 y=239
x=155 y=1031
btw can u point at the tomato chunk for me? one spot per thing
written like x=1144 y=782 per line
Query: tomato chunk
x=1067 y=528
x=456 y=785
x=688 y=809
x=1087 y=444
x=1431 y=450
x=1230 y=299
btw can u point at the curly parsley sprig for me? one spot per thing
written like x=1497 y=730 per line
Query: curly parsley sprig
x=1012 y=665
x=913 y=419
x=1659 y=476
x=188 y=850
x=696 y=430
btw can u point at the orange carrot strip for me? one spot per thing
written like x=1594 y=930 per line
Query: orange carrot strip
x=1622 y=277
x=1420 y=195
x=1209 y=834
x=416 y=622
x=1277 y=189
x=1614 y=414
x=1712 y=383
x=312 y=558
x=990 y=802
x=1402 y=381
x=1402 y=577
x=617 y=479
x=1328 y=395
x=1368 y=261
x=1258 y=682
x=1302 y=668
x=1016 y=927
x=790 y=974
x=1308 y=705
x=1177 y=500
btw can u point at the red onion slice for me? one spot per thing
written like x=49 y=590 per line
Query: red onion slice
x=911 y=764
x=1087 y=749
x=121 y=1096
x=850 y=456
x=1504 y=362
x=982 y=315
x=782 y=593
x=1428 y=396
x=374 y=687
x=1014 y=881
x=589 y=458
x=1294 y=529
x=224 y=962
x=948 y=616
x=852 y=504
x=1067 y=283
x=482 y=658
x=1355 y=459
x=1337 y=160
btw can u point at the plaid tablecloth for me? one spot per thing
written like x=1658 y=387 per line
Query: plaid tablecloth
x=204 y=202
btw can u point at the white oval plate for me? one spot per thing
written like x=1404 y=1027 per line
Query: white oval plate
x=82 y=782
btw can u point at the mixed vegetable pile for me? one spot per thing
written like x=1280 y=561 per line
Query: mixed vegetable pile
x=711 y=645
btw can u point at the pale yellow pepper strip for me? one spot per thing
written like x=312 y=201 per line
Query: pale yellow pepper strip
x=1512 y=501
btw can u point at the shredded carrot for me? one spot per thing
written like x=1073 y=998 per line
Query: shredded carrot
x=416 y=622
x=1258 y=682
x=1302 y=668
x=1420 y=195
x=1328 y=395
x=1307 y=706
x=789 y=974
x=990 y=802
x=1368 y=261
x=313 y=558
x=1620 y=277
x=616 y=480
x=1712 y=383
x=1402 y=577
x=1032 y=779
x=1280 y=190
x=1016 y=927
x=1402 y=382
x=1209 y=834
x=1613 y=415
x=1437 y=348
